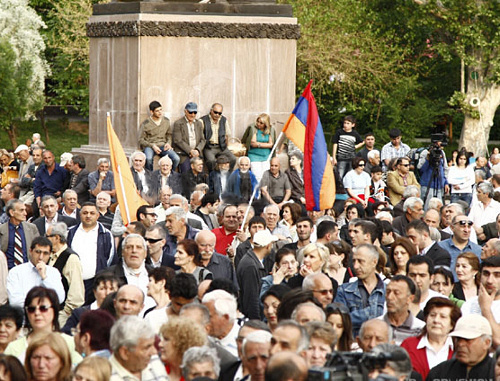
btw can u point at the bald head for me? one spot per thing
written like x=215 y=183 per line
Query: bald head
x=372 y=333
x=129 y=300
x=432 y=218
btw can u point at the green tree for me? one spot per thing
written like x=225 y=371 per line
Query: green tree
x=22 y=68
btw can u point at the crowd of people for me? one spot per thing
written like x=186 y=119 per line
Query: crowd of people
x=225 y=276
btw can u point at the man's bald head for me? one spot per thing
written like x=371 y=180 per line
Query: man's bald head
x=372 y=333
x=129 y=300
x=432 y=218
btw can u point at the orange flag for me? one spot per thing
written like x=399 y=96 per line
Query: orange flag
x=126 y=191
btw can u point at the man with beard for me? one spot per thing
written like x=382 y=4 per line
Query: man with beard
x=242 y=182
x=217 y=180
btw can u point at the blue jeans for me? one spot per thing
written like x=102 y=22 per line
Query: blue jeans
x=150 y=154
x=467 y=197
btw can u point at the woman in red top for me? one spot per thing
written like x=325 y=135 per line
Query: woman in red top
x=433 y=345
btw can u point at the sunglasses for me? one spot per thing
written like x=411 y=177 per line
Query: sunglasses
x=153 y=240
x=217 y=112
x=43 y=308
x=50 y=235
x=192 y=112
x=464 y=223
x=405 y=165
x=361 y=164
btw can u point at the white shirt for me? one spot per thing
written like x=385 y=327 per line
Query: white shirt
x=157 y=318
x=24 y=277
x=85 y=245
x=140 y=278
x=142 y=177
x=73 y=214
x=471 y=306
x=481 y=215
x=434 y=358
x=229 y=341
x=51 y=223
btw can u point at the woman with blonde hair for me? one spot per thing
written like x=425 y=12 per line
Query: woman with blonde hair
x=93 y=368
x=259 y=139
x=48 y=358
x=313 y=259
x=177 y=336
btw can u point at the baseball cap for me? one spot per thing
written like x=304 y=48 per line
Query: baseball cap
x=65 y=157
x=264 y=238
x=471 y=327
x=192 y=107
x=21 y=147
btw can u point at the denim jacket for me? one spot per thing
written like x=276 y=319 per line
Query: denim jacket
x=349 y=295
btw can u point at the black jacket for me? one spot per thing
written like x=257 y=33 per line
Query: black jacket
x=250 y=272
x=439 y=256
x=454 y=370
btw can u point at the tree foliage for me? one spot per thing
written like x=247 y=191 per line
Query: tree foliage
x=22 y=67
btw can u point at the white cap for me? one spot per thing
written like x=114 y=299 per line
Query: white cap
x=65 y=157
x=21 y=147
x=471 y=327
x=263 y=238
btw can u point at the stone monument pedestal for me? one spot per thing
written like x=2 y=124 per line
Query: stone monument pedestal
x=241 y=55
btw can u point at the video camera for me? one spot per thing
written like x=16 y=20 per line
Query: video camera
x=435 y=153
x=351 y=366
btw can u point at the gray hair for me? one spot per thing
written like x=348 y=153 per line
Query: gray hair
x=177 y=196
x=224 y=303
x=487 y=188
x=372 y=250
x=177 y=211
x=195 y=159
x=197 y=355
x=304 y=337
x=496 y=245
x=371 y=154
x=165 y=160
x=411 y=202
x=308 y=283
x=68 y=191
x=127 y=332
x=273 y=206
x=103 y=160
x=134 y=154
x=130 y=236
x=47 y=198
x=371 y=321
x=260 y=337
x=36 y=135
x=411 y=191
x=205 y=313
x=435 y=203
x=60 y=229
x=11 y=204
x=458 y=207
x=297 y=309
x=402 y=366
x=105 y=194
x=243 y=157
x=384 y=215
x=434 y=234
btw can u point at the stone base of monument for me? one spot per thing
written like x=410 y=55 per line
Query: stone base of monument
x=239 y=54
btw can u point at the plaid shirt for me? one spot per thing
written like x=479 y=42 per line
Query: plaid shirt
x=390 y=152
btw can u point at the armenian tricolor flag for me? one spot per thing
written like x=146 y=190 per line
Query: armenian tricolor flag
x=304 y=129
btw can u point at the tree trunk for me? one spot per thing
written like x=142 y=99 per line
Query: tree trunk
x=476 y=132
x=41 y=116
x=12 y=132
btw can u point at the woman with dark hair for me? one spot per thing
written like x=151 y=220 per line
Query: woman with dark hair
x=48 y=358
x=11 y=322
x=338 y=262
x=401 y=251
x=11 y=369
x=41 y=313
x=285 y=267
x=352 y=211
x=158 y=286
x=461 y=178
x=339 y=317
x=442 y=282
x=188 y=258
x=357 y=182
x=467 y=270
x=440 y=316
x=290 y=213
x=271 y=301
x=296 y=177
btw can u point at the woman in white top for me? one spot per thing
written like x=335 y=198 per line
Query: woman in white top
x=357 y=182
x=461 y=178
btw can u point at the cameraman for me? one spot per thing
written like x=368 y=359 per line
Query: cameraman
x=433 y=166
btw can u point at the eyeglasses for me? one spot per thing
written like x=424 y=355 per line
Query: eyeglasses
x=153 y=240
x=361 y=164
x=324 y=292
x=50 y=235
x=43 y=308
x=192 y=112
x=405 y=165
x=464 y=223
x=217 y=112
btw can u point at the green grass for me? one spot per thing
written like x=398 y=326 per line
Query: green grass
x=61 y=137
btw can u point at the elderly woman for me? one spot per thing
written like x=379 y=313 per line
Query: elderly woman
x=200 y=362
x=440 y=317
x=188 y=258
x=259 y=139
x=357 y=182
x=177 y=336
x=313 y=259
x=48 y=358
x=322 y=340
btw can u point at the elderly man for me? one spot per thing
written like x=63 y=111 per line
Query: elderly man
x=460 y=241
x=134 y=354
x=94 y=244
x=491 y=248
x=372 y=160
x=102 y=180
x=143 y=177
x=272 y=214
x=194 y=176
x=192 y=220
x=156 y=136
x=471 y=361
x=372 y=333
x=200 y=362
x=275 y=186
x=164 y=176
x=289 y=336
x=23 y=278
x=224 y=327
x=70 y=205
x=68 y=263
x=217 y=178
x=321 y=286
x=27 y=180
x=242 y=182
x=447 y=213
x=103 y=202
x=188 y=137
x=307 y=312
x=25 y=161
x=177 y=229
x=371 y=304
x=398 y=180
x=16 y=235
x=418 y=232
x=129 y=300
x=216 y=128
x=50 y=179
x=79 y=180
x=486 y=209
x=229 y=229
x=219 y=265
x=399 y=294
x=8 y=192
x=413 y=209
x=49 y=206
x=256 y=353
